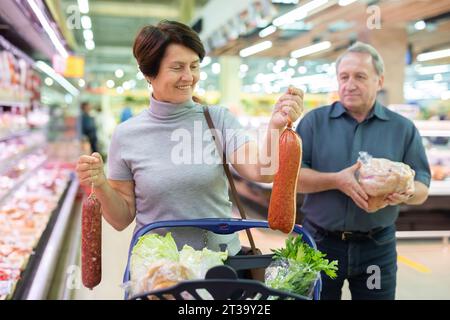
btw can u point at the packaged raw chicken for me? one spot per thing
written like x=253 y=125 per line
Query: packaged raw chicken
x=380 y=177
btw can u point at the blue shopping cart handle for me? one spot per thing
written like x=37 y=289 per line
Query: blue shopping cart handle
x=216 y=225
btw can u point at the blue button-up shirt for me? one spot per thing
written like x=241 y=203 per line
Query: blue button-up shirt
x=332 y=140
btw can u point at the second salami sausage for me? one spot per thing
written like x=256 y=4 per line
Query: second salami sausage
x=282 y=206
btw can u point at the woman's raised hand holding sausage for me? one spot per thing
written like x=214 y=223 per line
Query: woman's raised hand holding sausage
x=289 y=107
x=90 y=170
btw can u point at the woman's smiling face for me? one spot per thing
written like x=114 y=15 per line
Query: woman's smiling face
x=178 y=74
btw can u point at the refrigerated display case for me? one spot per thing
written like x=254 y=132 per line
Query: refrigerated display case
x=434 y=214
x=32 y=189
x=37 y=183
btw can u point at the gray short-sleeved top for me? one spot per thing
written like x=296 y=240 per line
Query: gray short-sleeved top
x=169 y=152
x=332 y=140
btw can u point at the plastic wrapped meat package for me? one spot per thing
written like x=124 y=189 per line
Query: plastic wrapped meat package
x=380 y=177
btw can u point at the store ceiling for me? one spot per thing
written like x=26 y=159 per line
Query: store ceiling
x=340 y=25
x=116 y=22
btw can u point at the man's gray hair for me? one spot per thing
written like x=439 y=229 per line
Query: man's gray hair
x=362 y=47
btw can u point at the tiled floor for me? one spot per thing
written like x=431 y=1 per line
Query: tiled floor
x=114 y=257
x=423 y=267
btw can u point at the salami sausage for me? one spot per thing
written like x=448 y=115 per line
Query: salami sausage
x=282 y=206
x=91 y=242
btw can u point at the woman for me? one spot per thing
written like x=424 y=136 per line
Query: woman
x=155 y=171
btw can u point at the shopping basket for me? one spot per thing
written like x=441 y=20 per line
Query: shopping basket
x=221 y=282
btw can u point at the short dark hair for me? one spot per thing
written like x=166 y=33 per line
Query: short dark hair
x=151 y=43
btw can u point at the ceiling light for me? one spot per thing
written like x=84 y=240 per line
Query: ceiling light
x=140 y=76
x=86 y=22
x=81 y=83
x=290 y=71
x=88 y=34
x=433 y=55
x=311 y=49
x=83 y=6
x=119 y=73
x=344 y=3
x=293 y=62
x=267 y=31
x=57 y=77
x=110 y=84
x=298 y=13
x=46 y=25
x=243 y=68
x=215 y=68
x=302 y=70
x=281 y=63
x=48 y=81
x=126 y=85
x=119 y=90
x=255 y=48
x=89 y=44
x=203 y=75
x=420 y=25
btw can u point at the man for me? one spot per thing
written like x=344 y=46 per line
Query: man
x=88 y=127
x=335 y=204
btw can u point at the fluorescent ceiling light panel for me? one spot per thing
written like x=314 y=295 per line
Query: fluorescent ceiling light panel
x=83 y=6
x=344 y=3
x=311 y=49
x=46 y=25
x=267 y=31
x=255 y=48
x=433 y=55
x=57 y=77
x=298 y=13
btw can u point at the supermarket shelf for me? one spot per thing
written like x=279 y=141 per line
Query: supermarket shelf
x=7 y=164
x=29 y=272
x=430 y=128
x=40 y=281
x=19 y=104
x=439 y=188
x=445 y=234
x=24 y=178
x=16 y=134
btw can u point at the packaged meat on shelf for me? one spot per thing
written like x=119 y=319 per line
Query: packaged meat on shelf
x=23 y=219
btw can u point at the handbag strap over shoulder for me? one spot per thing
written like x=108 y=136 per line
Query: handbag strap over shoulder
x=226 y=168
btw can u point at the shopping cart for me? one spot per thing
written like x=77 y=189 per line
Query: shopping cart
x=221 y=282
